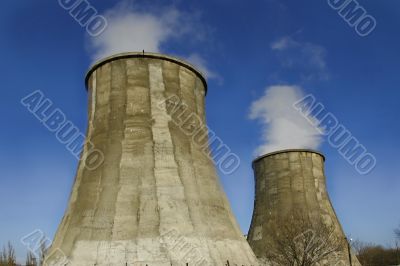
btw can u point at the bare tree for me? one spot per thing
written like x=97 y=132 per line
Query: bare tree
x=397 y=243
x=12 y=260
x=397 y=233
x=3 y=257
x=44 y=247
x=7 y=256
x=358 y=246
x=298 y=241
x=397 y=250
x=375 y=255
x=30 y=259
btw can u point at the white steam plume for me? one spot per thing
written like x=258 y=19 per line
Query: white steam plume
x=132 y=30
x=283 y=126
x=200 y=63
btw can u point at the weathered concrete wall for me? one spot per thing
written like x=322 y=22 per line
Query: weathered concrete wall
x=288 y=182
x=156 y=198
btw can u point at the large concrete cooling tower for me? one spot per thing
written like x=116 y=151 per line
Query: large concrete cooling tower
x=156 y=198
x=289 y=182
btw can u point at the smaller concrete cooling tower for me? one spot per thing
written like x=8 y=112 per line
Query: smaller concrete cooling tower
x=289 y=181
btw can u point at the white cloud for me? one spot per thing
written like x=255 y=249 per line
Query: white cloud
x=307 y=58
x=283 y=126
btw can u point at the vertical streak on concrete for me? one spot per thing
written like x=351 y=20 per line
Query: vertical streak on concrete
x=90 y=186
x=185 y=150
x=181 y=85
x=181 y=143
x=173 y=209
x=199 y=105
x=100 y=138
x=118 y=231
x=102 y=214
x=182 y=148
x=170 y=190
x=105 y=210
x=125 y=223
x=141 y=164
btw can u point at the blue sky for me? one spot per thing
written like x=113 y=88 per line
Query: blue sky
x=356 y=78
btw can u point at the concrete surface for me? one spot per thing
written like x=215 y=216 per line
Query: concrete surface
x=287 y=182
x=156 y=199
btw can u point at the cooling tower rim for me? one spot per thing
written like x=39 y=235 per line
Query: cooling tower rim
x=169 y=58
x=287 y=151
